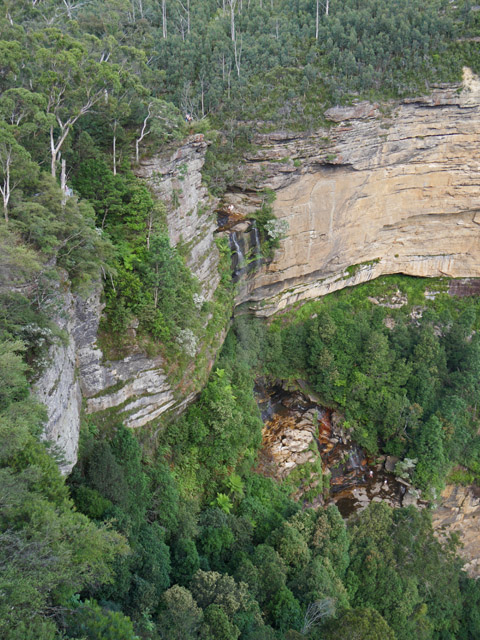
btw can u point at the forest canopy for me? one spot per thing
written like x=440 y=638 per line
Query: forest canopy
x=172 y=533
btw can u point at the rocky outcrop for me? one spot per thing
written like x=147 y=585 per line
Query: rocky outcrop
x=136 y=387
x=302 y=437
x=391 y=188
x=175 y=178
x=59 y=390
x=459 y=513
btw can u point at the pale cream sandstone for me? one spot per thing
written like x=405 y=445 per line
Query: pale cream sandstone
x=391 y=192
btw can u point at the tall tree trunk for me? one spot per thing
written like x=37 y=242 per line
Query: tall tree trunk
x=238 y=55
x=56 y=145
x=63 y=182
x=6 y=192
x=143 y=134
x=114 y=148
x=53 y=154
x=232 y=18
x=155 y=291
x=164 y=18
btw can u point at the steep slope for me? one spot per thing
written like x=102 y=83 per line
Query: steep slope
x=137 y=387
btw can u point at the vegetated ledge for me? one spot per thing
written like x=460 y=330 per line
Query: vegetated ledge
x=137 y=386
x=405 y=190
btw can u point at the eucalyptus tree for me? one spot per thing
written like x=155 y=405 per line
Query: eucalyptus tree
x=15 y=165
x=72 y=81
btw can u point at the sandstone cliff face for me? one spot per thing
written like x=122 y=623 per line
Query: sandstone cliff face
x=59 y=390
x=136 y=387
x=459 y=513
x=176 y=179
x=390 y=189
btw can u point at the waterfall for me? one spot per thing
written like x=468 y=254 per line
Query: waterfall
x=354 y=460
x=258 y=248
x=237 y=251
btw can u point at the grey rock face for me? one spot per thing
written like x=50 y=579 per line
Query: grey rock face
x=136 y=386
x=175 y=178
x=59 y=390
x=391 y=189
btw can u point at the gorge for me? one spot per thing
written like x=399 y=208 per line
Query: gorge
x=388 y=188
x=239 y=320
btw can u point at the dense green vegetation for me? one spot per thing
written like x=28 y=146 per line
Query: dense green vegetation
x=173 y=535
x=215 y=550
x=261 y=59
x=95 y=85
x=406 y=381
x=218 y=551
x=48 y=551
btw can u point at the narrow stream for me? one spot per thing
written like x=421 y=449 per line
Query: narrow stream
x=298 y=430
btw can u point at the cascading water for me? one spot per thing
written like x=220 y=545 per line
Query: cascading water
x=238 y=253
x=257 y=247
x=354 y=460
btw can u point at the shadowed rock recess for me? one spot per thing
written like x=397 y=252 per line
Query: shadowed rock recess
x=391 y=188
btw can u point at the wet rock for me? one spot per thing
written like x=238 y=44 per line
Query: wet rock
x=289 y=441
x=410 y=498
x=390 y=463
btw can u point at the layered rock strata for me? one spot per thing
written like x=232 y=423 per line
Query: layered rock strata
x=392 y=188
x=175 y=178
x=135 y=387
x=58 y=389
